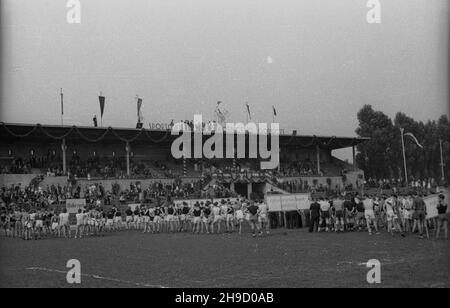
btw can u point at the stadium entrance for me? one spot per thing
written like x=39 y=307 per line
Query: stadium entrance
x=241 y=189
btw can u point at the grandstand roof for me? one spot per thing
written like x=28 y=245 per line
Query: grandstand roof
x=11 y=132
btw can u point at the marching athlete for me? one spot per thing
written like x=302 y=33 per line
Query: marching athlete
x=253 y=218
x=369 y=214
x=240 y=216
x=55 y=224
x=145 y=216
x=197 y=214
x=350 y=212
x=80 y=224
x=223 y=213
x=419 y=215
x=324 y=214
x=129 y=218
x=217 y=217
x=18 y=224
x=338 y=205
x=11 y=224
x=207 y=217
x=157 y=219
x=230 y=218
x=263 y=219
x=442 y=220
x=184 y=221
x=391 y=215
x=64 y=226
x=408 y=213
x=170 y=212
x=359 y=217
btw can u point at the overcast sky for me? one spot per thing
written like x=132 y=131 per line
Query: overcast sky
x=317 y=62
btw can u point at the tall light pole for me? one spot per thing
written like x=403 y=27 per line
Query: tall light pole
x=442 y=161
x=404 y=157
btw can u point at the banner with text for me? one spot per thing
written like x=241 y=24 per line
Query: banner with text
x=72 y=205
x=290 y=202
x=431 y=202
x=191 y=202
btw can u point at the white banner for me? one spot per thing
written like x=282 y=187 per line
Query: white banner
x=274 y=203
x=303 y=201
x=73 y=205
x=431 y=203
x=134 y=205
x=289 y=202
x=191 y=202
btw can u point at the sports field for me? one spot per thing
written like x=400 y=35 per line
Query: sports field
x=293 y=258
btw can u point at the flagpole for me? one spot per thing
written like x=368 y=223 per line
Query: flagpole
x=404 y=157
x=138 y=111
x=246 y=112
x=101 y=114
x=442 y=161
x=62 y=108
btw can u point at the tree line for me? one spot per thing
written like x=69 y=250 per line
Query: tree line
x=382 y=156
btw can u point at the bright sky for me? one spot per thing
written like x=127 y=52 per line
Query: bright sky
x=317 y=61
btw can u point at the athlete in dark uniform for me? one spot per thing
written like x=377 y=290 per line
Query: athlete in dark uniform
x=207 y=218
x=197 y=212
x=253 y=219
x=442 y=219
x=185 y=217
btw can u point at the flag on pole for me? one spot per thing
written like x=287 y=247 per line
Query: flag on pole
x=62 y=103
x=139 y=105
x=248 y=111
x=274 y=111
x=414 y=138
x=101 y=99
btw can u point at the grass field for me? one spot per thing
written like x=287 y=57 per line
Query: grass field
x=293 y=258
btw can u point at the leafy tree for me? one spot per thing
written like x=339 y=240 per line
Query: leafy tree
x=382 y=156
x=372 y=155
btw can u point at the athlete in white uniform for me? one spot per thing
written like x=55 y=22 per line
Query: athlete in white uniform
x=239 y=216
x=217 y=218
x=230 y=217
x=408 y=213
x=64 y=224
x=324 y=214
x=338 y=205
x=369 y=214
x=263 y=219
x=55 y=224
x=80 y=224
x=223 y=211
x=392 y=216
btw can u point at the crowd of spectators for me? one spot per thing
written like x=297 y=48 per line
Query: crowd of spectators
x=384 y=183
x=35 y=196
x=297 y=168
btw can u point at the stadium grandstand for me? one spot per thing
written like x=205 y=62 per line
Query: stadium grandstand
x=117 y=157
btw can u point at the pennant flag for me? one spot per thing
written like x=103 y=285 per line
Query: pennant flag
x=102 y=105
x=248 y=111
x=139 y=105
x=415 y=139
x=62 y=103
x=274 y=111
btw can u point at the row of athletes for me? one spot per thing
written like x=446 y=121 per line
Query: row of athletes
x=402 y=214
x=35 y=223
x=202 y=217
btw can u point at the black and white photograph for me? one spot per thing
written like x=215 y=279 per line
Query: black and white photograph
x=224 y=150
